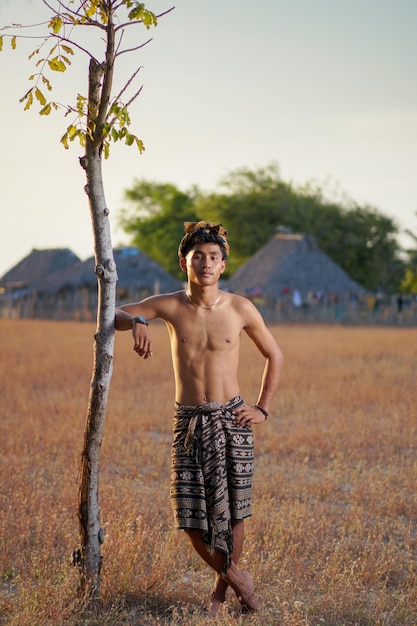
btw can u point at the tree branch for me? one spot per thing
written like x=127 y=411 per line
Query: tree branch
x=28 y=26
x=76 y=45
x=118 y=54
x=133 y=98
x=119 y=95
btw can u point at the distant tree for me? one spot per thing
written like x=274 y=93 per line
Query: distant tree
x=364 y=243
x=99 y=118
x=254 y=205
x=409 y=280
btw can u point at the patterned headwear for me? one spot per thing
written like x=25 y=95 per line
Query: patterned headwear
x=203 y=232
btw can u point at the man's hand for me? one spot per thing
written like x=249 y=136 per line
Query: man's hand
x=247 y=415
x=142 y=340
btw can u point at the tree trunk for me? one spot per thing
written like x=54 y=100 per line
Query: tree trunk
x=89 y=557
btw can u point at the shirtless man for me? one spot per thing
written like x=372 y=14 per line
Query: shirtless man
x=212 y=452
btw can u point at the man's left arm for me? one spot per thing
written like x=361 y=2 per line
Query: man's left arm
x=269 y=348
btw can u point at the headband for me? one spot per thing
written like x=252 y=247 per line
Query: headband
x=195 y=230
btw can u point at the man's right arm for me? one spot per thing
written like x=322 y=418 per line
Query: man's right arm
x=157 y=306
x=125 y=320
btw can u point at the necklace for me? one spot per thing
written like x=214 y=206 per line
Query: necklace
x=203 y=306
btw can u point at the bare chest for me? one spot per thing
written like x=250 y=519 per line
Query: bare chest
x=205 y=330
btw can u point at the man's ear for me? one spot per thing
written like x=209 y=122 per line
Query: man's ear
x=183 y=264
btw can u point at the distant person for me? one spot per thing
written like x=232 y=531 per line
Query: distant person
x=296 y=298
x=400 y=302
x=213 y=446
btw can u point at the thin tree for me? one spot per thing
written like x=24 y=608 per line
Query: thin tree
x=99 y=118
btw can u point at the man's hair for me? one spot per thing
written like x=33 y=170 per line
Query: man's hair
x=203 y=232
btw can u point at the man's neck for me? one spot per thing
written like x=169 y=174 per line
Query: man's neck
x=203 y=297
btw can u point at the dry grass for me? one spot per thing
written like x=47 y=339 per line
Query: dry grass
x=333 y=537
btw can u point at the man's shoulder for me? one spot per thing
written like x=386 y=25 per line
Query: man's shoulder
x=172 y=295
x=161 y=305
x=238 y=301
x=245 y=309
x=170 y=299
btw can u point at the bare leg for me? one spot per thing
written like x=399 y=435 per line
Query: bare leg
x=241 y=582
x=220 y=587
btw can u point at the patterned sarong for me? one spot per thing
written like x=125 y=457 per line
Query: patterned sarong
x=212 y=469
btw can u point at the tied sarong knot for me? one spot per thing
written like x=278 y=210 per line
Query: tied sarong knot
x=196 y=430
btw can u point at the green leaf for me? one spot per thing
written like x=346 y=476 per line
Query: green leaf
x=29 y=101
x=72 y=132
x=149 y=19
x=81 y=138
x=81 y=100
x=57 y=65
x=140 y=145
x=40 y=97
x=56 y=24
x=136 y=13
x=139 y=12
x=91 y=9
x=46 y=109
x=23 y=98
x=64 y=141
x=114 y=109
x=104 y=15
x=33 y=53
x=130 y=139
x=46 y=82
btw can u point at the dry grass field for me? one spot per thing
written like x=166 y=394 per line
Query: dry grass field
x=333 y=538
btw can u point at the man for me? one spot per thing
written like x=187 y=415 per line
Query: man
x=212 y=451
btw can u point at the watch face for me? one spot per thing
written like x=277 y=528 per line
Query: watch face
x=141 y=320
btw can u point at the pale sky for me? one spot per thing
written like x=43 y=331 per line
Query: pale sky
x=326 y=89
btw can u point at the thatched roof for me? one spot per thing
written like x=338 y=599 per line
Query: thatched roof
x=53 y=270
x=291 y=262
x=32 y=271
x=45 y=271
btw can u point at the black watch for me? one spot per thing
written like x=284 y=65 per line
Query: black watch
x=139 y=319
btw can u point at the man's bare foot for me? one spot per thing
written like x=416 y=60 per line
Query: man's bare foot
x=218 y=596
x=247 y=596
x=242 y=585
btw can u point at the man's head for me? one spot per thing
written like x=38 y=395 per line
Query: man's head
x=203 y=232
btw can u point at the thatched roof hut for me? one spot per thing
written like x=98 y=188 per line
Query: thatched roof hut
x=55 y=284
x=32 y=271
x=292 y=263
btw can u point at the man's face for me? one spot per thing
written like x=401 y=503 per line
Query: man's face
x=204 y=263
